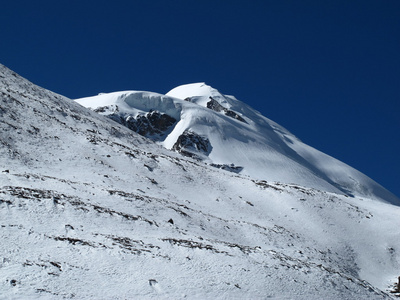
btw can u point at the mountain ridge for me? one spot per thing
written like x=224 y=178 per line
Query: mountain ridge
x=239 y=135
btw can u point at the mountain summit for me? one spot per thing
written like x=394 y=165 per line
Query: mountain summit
x=198 y=121
x=90 y=209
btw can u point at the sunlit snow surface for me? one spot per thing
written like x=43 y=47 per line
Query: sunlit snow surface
x=91 y=210
x=263 y=148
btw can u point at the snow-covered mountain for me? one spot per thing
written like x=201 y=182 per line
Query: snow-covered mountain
x=89 y=209
x=198 y=121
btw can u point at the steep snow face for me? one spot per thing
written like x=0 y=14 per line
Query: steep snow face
x=91 y=210
x=238 y=137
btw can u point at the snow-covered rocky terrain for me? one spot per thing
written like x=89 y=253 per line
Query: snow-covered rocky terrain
x=200 y=122
x=89 y=209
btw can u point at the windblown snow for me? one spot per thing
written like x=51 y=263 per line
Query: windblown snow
x=239 y=209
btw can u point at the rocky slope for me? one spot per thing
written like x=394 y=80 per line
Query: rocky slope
x=91 y=210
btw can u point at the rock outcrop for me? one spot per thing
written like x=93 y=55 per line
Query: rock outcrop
x=154 y=124
x=215 y=106
x=192 y=145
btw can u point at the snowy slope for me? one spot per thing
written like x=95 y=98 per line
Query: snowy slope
x=238 y=135
x=91 y=210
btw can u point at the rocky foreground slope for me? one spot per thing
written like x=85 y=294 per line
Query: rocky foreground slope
x=91 y=210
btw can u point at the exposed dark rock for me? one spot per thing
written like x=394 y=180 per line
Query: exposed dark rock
x=153 y=124
x=57 y=265
x=234 y=115
x=5 y=201
x=152 y=282
x=103 y=109
x=73 y=241
x=133 y=246
x=230 y=168
x=192 y=244
x=149 y=168
x=193 y=145
x=266 y=185
x=68 y=226
x=396 y=288
x=216 y=106
x=152 y=180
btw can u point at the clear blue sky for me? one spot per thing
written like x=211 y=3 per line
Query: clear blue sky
x=328 y=71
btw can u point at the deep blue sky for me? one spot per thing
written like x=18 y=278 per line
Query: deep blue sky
x=329 y=71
